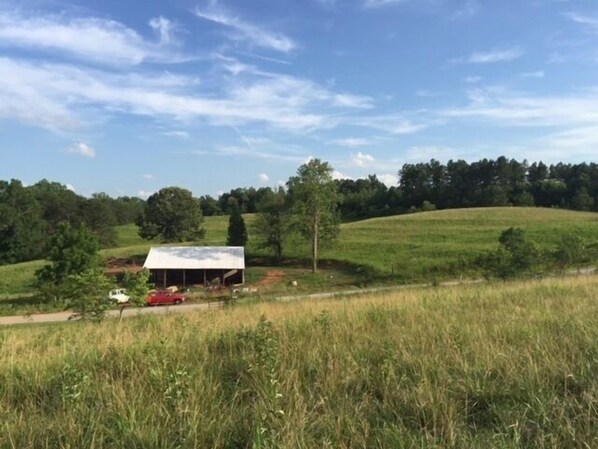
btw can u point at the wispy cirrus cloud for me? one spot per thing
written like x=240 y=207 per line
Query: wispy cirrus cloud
x=280 y=101
x=92 y=39
x=492 y=56
x=514 y=109
x=583 y=19
x=352 y=142
x=389 y=123
x=254 y=35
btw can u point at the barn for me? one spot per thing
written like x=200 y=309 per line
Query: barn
x=196 y=265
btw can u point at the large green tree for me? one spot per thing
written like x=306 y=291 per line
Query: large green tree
x=173 y=215
x=314 y=204
x=71 y=251
x=271 y=222
x=20 y=223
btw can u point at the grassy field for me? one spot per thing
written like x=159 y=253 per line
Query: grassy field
x=442 y=244
x=424 y=247
x=485 y=366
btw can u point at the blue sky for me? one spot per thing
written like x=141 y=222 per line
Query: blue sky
x=126 y=97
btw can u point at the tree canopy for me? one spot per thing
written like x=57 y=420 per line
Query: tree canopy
x=173 y=215
x=271 y=223
x=314 y=201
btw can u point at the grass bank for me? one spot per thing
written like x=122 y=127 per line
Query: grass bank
x=501 y=366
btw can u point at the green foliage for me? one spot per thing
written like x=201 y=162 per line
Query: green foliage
x=20 y=224
x=582 y=200
x=137 y=285
x=516 y=255
x=314 y=204
x=271 y=223
x=428 y=207
x=71 y=251
x=571 y=250
x=87 y=294
x=173 y=215
x=237 y=232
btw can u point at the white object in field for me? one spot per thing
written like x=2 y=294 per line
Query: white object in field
x=119 y=296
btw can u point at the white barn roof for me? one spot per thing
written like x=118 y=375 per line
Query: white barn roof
x=195 y=258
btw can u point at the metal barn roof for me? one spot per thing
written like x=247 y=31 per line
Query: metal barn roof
x=195 y=258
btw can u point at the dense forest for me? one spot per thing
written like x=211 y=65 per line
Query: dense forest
x=458 y=184
x=30 y=214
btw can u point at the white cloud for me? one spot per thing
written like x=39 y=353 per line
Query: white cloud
x=165 y=29
x=58 y=91
x=388 y=179
x=473 y=79
x=512 y=109
x=82 y=149
x=583 y=19
x=245 y=31
x=144 y=194
x=263 y=178
x=149 y=177
x=337 y=175
x=71 y=187
x=352 y=142
x=184 y=135
x=392 y=123
x=362 y=159
x=492 y=56
x=93 y=39
x=538 y=74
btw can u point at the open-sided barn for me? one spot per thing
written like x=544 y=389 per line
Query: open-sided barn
x=195 y=265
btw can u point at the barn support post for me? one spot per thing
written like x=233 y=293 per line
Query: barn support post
x=205 y=278
x=242 y=276
x=184 y=280
x=164 y=279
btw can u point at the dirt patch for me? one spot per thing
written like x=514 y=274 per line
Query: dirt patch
x=270 y=279
x=116 y=265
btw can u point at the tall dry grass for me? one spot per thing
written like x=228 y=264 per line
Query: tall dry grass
x=488 y=366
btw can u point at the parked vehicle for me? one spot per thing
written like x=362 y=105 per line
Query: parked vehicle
x=164 y=297
x=119 y=296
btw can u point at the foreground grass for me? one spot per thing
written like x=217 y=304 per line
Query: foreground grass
x=495 y=366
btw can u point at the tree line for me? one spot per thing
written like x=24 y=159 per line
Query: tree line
x=31 y=215
x=456 y=184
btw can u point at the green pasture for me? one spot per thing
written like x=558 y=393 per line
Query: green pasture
x=422 y=247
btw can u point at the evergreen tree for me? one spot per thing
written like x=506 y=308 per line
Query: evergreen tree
x=237 y=232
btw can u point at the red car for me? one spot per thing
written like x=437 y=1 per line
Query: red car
x=165 y=297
